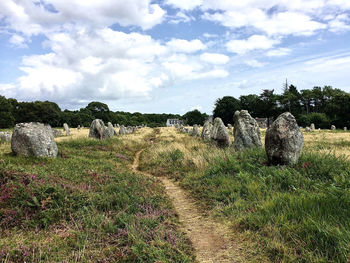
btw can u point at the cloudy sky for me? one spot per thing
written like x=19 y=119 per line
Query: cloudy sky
x=169 y=55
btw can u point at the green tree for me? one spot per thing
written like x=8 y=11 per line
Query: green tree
x=194 y=117
x=7 y=118
x=225 y=108
x=99 y=110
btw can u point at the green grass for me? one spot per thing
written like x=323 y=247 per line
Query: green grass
x=298 y=213
x=84 y=206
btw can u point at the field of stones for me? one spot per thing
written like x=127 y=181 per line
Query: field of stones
x=175 y=194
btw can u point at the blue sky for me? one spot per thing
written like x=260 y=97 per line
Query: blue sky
x=169 y=55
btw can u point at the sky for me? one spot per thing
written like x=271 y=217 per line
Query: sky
x=169 y=56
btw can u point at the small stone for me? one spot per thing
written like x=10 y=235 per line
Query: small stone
x=57 y=133
x=284 y=140
x=195 y=131
x=345 y=128
x=122 y=130
x=5 y=136
x=66 y=128
x=312 y=127
x=206 y=131
x=333 y=128
x=33 y=139
x=308 y=129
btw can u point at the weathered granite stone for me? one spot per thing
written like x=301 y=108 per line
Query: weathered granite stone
x=78 y=127
x=98 y=130
x=5 y=136
x=110 y=130
x=284 y=140
x=66 y=128
x=312 y=127
x=219 y=133
x=57 y=133
x=246 y=131
x=307 y=129
x=345 y=128
x=122 y=130
x=206 y=131
x=33 y=139
x=333 y=128
x=195 y=131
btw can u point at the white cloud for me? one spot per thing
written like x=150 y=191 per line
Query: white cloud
x=242 y=46
x=185 y=46
x=184 y=4
x=339 y=23
x=33 y=18
x=279 y=52
x=106 y=64
x=214 y=58
x=254 y=63
x=18 y=41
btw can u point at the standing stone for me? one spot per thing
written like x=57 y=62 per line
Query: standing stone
x=333 y=128
x=66 y=128
x=195 y=131
x=307 y=129
x=246 y=132
x=56 y=133
x=33 y=139
x=229 y=126
x=206 y=131
x=122 y=130
x=5 y=136
x=284 y=140
x=312 y=127
x=219 y=133
x=98 y=130
x=345 y=128
x=78 y=128
x=111 y=131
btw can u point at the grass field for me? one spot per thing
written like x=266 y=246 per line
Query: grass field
x=298 y=213
x=86 y=206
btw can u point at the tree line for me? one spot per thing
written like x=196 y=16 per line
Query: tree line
x=322 y=106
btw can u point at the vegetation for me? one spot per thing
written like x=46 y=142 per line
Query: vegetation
x=86 y=206
x=321 y=106
x=298 y=213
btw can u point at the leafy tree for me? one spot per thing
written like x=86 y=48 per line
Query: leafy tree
x=99 y=110
x=7 y=118
x=225 y=108
x=195 y=117
x=249 y=103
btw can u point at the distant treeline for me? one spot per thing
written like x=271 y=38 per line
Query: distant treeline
x=321 y=106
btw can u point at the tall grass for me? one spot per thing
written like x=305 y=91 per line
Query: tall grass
x=85 y=206
x=299 y=213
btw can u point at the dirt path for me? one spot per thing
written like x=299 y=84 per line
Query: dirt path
x=210 y=239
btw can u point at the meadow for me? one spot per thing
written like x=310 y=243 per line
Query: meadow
x=296 y=214
x=89 y=205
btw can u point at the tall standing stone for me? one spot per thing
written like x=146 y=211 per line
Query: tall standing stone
x=246 y=131
x=284 y=140
x=98 y=130
x=111 y=130
x=345 y=128
x=206 y=131
x=122 y=130
x=66 y=129
x=219 y=133
x=195 y=131
x=312 y=127
x=33 y=139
